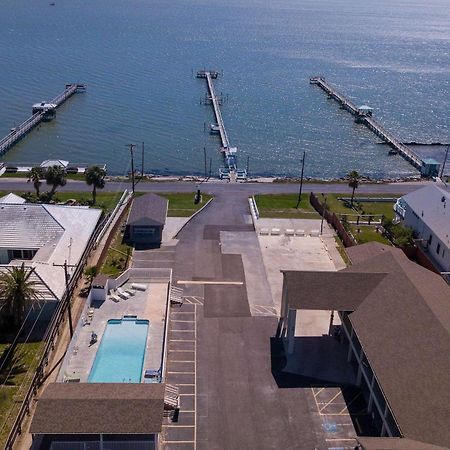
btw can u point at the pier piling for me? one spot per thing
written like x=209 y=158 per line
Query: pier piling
x=363 y=115
x=41 y=112
x=230 y=170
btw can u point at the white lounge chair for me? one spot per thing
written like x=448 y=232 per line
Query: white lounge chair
x=115 y=298
x=123 y=294
x=85 y=320
x=138 y=287
x=74 y=377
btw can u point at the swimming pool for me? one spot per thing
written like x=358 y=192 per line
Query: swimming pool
x=120 y=356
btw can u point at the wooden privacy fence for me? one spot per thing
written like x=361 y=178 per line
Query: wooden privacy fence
x=347 y=239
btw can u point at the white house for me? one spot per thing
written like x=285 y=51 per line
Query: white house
x=44 y=235
x=427 y=212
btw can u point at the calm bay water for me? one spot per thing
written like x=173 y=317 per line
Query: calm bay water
x=137 y=58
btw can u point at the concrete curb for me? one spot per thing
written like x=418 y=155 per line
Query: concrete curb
x=253 y=210
x=193 y=215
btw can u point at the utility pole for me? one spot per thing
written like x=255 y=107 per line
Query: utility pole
x=66 y=276
x=132 y=165
x=210 y=164
x=142 y=168
x=323 y=215
x=443 y=163
x=204 y=158
x=301 y=181
x=248 y=164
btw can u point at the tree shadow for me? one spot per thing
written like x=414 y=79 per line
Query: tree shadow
x=11 y=365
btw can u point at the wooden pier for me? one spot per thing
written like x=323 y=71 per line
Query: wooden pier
x=363 y=115
x=42 y=112
x=231 y=170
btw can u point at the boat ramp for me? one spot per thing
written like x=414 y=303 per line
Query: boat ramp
x=363 y=115
x=230 y=170
x=41 y=112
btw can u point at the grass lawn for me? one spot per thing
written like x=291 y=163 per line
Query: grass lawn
x=182 y=204
x=341 y=249
x=15 y=378
x=284 y=206
x=370 y=208
x=105 y=200
x=117 y=257
x=69 y=176
x=367 y=233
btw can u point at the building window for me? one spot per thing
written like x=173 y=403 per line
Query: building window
x=430 y=239
x=438 y=248
x=143 y=231
x=21 y=254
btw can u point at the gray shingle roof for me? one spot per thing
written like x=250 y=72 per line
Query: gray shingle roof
x=403 y=324
x=27 y=226
x=428 y=205
x=379 y=443
x=148 y=209
x=311 y=290
x=94 y=408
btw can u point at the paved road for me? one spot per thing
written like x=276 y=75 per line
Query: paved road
x=226 y=361
x=17 y=184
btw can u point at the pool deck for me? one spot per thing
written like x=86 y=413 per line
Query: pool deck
x=149 y=304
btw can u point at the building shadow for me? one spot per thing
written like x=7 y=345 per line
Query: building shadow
x=321 y=362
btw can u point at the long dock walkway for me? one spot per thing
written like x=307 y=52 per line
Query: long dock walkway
x=231 y=170
x=364 y=115
x=41 y=112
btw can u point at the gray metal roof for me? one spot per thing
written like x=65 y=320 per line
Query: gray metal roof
x=432 y=205
x=28 y=226
x=45 y=293
x=12 y=199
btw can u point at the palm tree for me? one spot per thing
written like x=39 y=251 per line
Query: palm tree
x=95 y=177
x=17 y=292
x=353 y=182
x=35 y=175
x=55 y=176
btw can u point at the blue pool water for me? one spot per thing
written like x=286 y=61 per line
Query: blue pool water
x=120 y=356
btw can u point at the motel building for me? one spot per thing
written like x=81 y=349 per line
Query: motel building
x=110 y=392
x=394 y=332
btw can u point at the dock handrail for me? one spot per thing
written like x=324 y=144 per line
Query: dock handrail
x=369 y=121
x=217 y=112
x=14 y=136
x=229 y=153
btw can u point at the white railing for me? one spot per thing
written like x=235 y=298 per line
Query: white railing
x=124 y=199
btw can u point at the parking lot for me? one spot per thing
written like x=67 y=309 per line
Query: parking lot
x=343 y=414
